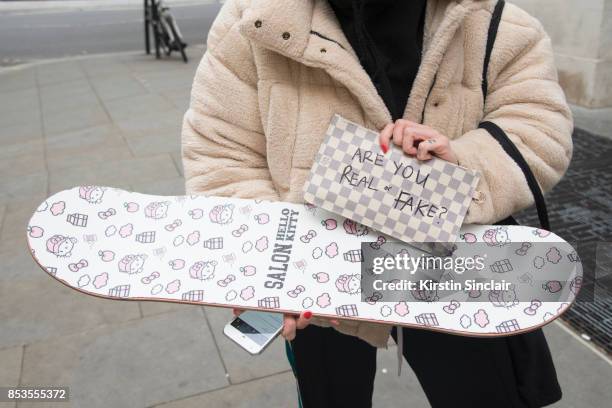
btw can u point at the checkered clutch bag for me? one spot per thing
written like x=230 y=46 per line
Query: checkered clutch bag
x=413 y=201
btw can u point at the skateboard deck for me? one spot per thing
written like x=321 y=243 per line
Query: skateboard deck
x=285 y=257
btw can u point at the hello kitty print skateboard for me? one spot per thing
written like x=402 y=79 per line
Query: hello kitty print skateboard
x=284 y=257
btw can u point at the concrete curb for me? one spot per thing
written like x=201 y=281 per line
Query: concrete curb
x=30 y=7
x=35 y=63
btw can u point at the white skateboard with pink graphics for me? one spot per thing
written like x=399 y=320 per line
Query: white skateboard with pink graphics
x=284 y=257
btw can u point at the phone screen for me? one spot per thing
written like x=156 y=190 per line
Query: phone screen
x=258 y=326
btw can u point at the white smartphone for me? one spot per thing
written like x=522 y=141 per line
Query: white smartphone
x=253 y=331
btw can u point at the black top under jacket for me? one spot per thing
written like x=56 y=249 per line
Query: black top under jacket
x=387 y=36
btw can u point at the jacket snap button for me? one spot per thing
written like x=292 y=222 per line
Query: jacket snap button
x=258 y=23
x=286 y=35
x=436 y=104
x=479 y=197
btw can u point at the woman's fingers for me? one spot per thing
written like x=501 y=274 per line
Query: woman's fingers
x=292 y=323
x=385 y=137
x=237 y=312
x=398 y=132
x=418 y=140
x=425 y=147
x=289 y=327
x=304 y=319
x=408 y=142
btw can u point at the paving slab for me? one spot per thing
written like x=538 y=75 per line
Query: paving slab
x=19 y=106
x=161 y=140
x=147 y=63
x=117 y=86
x=583 y=375
x=178 y=161
x=17 y=263
x=119 y=173
x=84 y=147
x=178 y=97
x=22 y=164
x=391 y=390
x=270 y=392
x=147 y=124
x=32 y=146
x=17 y=79
x=16 y=217
x=140 y=364
x=30 y=185
x=242 y=366
x=147 y=105
x=66 y=95
x=161 y=81
x=74 y=119
x=155 y=308
x=101 y=66
x=59 y=72
x=10 y=370
x=18 y=133
x=169 y=187
x=2 y=212
x=40 y=308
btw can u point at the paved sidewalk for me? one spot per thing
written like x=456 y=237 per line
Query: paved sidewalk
x=115 y=120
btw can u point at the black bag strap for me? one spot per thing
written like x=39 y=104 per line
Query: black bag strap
x=512 y=151
x=497 y=132
x=491 y=36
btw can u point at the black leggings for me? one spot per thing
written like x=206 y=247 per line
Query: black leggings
x=336 y=370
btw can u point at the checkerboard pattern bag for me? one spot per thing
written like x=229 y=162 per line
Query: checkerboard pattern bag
x=373 y=202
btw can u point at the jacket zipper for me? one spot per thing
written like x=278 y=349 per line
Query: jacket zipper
x=318 y=34
x=433 y=83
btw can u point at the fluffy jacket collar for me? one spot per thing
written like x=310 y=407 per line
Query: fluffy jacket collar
x=301 y=29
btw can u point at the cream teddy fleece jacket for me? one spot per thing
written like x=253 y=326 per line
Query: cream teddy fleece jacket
x=276 y=71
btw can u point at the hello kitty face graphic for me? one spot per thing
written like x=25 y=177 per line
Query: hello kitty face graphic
x=350 y=284
x=496 y=236
x=91 y=194
x=222 y=214
x=354 y=228
x=157 y=210
x=61 y=246
x=203 y=270
x=503 y=298
x=132 y=264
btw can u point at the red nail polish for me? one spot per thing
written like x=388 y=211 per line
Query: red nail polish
x=307 y=314
x=384 y=148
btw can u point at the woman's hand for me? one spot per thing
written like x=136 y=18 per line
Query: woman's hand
x=417 y=140
x=292 y=323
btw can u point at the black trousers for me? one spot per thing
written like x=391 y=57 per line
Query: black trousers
x=336 y=370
